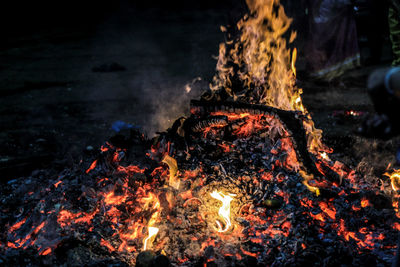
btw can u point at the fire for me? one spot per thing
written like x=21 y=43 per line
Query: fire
x=394 y=179
x=294 y=57
x=224 y=211
x=131 y=202
x=152 y=232
x=173 y=169
x=266 y=64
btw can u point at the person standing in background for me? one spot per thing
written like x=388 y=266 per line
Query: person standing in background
x=332 y=47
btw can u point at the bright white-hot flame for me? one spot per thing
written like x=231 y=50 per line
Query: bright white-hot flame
x=152 y=232
x=225 y=210
x=394 y=179
x=324 y=155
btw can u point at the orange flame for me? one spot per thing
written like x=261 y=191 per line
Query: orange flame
x=261 y=60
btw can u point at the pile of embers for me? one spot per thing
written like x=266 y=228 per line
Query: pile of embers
x=232 y=185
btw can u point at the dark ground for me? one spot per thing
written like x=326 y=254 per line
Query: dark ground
x=53 y=105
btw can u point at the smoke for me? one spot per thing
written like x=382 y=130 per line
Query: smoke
x=170 y=103
x=162 y=57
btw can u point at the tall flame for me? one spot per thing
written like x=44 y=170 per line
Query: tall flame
x=224 y=211
x=258 y=67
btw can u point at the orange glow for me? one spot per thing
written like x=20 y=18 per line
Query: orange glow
x=226 y=148
x=107 y=245
x=365 y=203
x=231 y=116
x=17 y=225
x=318 y=217
x=248 y=253
x=250 y=126
x=57 y=184
x=45 y=252
x=112 y=199
x=92 y=166
x=66 y=218
x=331 y=211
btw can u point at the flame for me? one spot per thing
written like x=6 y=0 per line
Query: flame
x=263 y=64
x=324 y=155
x=173 y=169
x=152 y=232
x=225 y=210
x=294 y=58
x=394 y=179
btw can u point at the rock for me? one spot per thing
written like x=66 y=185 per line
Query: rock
x=145 y=259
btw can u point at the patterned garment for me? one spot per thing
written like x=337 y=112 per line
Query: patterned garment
x=333 y=46
x=394 y=30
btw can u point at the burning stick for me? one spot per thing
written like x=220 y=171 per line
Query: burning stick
x=173 y=169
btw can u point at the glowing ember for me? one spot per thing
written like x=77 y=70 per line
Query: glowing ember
x=224 y=211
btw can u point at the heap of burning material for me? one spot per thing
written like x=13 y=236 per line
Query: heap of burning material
x=244 y=181
x=227 y=190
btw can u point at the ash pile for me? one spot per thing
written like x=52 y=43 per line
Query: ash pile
x=231 y=185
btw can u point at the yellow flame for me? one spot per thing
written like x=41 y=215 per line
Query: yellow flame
x=307 y=178
x=173 y=169
x=394 y=179
x=263 y=64
x=151 y=202
x=225 y=210
x=294 y=58
x=152 y=232
x=325 y=156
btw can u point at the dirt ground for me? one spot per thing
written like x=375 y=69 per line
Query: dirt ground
x=54 y=108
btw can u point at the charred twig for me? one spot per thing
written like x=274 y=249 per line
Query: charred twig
x=214 y=121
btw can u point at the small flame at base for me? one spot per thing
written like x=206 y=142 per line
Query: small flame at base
x=153 y=231
x=394 y=179
x=225 y=210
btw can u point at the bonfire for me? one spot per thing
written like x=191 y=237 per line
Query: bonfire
x=245 y=180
